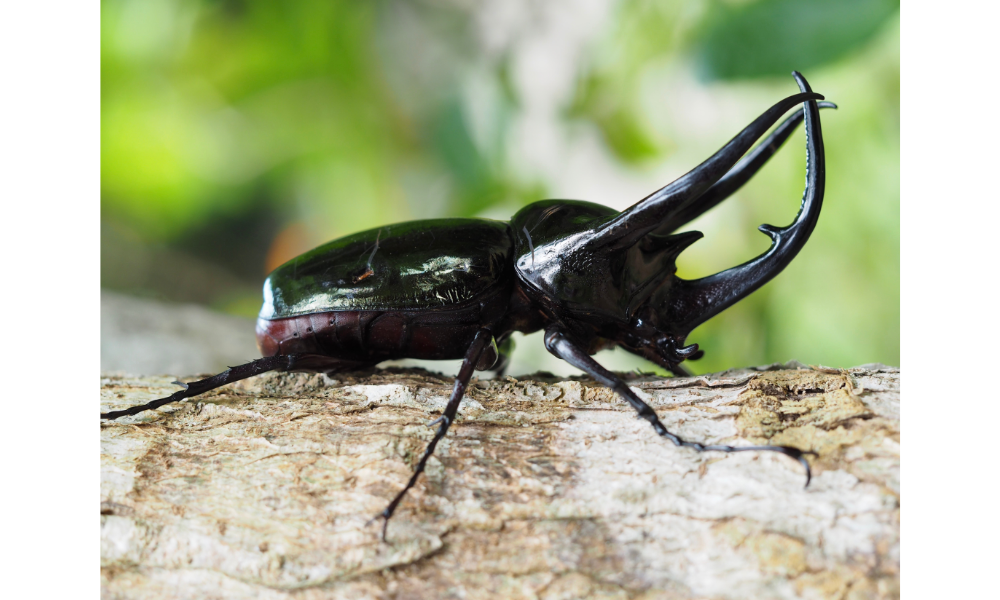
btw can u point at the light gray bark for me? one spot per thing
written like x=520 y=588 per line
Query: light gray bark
x=542 y=489
x=139 y=335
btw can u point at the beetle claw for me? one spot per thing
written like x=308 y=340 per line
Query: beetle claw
x=385 y=523
x=441 y=419
x=805 y=464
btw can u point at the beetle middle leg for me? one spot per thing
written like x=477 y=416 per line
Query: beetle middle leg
x=483 y=339
x=558 y=344
x=505 y=349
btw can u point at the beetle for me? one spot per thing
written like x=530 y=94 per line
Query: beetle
x=589 y=276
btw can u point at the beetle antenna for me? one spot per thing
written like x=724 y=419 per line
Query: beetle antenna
x=694 y=302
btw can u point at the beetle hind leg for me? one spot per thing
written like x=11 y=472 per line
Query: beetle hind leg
x=482 y=340
x=256 y=367
x=278 y=362
x=561 y=346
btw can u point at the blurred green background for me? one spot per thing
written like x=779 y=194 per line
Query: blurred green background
x=236 y=134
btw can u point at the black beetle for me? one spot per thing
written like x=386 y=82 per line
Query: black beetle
x=591 y=277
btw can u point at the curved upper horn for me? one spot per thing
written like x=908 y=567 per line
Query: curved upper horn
x=633 y=223
x=694 y=302
x=738 y=175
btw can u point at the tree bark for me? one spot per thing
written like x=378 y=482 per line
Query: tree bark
x=544 y=488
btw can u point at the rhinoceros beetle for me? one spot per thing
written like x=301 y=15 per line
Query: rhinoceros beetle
x=590 y=276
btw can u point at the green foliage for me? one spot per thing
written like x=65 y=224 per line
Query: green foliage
x=204 y=103
x=237 y=133
x=774 y=37
x=643 y=34
x=625 y=133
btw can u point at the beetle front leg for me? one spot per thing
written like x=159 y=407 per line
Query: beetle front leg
x=679 y=371
x=558 y=344
x=483 y=339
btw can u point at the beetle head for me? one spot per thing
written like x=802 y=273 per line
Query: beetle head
x=567 y=273
x=586 y=263
x=598 y=290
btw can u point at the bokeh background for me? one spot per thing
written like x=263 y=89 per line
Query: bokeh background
x=236 y=134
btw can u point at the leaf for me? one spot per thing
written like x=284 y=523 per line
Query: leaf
x=774 y=37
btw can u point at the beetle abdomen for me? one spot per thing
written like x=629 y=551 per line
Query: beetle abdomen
x=371 y=335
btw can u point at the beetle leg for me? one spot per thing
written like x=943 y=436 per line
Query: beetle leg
x=482 y=339
x=646 y=215
x=559 y=345
x=256 y=367
x=694 y=302
x=280 y=362
x=506 y=348
x=489 y=357
x=738 y=175
x=679 y=371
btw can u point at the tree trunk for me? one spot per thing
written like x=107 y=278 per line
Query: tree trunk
x=544 y=488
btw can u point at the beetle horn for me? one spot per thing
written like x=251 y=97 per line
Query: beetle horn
x=739 y=174
x=645 y=216
x=694 y=302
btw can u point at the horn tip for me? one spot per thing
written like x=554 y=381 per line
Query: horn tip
x=803 y=84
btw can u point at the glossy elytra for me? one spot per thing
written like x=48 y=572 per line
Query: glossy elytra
x=590 y=276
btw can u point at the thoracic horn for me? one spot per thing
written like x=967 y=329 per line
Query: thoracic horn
x=737 y=176
x=694 y=302
x=625 y=229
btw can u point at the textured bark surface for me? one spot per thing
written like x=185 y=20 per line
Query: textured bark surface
x=544 y=488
